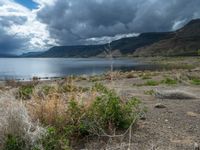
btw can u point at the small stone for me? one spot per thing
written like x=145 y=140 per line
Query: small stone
x=192 y=114
x=166 y=120
x=159 y=105
x=143 y=118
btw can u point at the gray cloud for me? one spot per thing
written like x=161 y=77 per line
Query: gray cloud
x=20 y=31
x=75 y=21
x=9 y=43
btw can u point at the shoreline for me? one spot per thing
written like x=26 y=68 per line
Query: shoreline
x=146 y=64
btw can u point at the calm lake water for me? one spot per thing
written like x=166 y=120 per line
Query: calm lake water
x=26 y=68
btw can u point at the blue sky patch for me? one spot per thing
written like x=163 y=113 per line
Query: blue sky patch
x=28 y=3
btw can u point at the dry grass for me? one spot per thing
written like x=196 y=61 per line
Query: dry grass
x=47 y=110
x=51 y=108
x=15 y=121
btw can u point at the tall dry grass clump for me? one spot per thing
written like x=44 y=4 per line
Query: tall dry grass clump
x=49 y=110
x=17 y=131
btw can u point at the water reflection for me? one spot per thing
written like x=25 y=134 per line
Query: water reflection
x=26 y=68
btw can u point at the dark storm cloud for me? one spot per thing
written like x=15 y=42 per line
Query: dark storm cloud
x=9 y=43
x=74 y=21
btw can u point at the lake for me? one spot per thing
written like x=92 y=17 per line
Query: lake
x=26 y=68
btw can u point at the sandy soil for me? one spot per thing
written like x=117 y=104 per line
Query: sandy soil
x=175 y=127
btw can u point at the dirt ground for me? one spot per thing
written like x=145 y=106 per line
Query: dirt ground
x=176 y=127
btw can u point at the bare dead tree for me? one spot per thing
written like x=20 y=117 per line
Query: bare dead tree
x=109 y=53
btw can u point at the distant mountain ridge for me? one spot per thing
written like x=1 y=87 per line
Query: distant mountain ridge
x=7 y=56
x=124 y=46
x=183 y=42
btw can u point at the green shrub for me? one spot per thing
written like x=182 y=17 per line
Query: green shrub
x=169 y=81
x=76 y=126
x=109 y=112
x=14 y=143
x=25 y=92
x=195 y=81
x=47 y=89
x=149 y=92
x=54 y=140
x=152 y=83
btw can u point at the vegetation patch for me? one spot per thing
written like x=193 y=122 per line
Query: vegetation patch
x=195 y=80
x=152 y=83
x=146 y=76
x=169 y=81
x=70 y=121
x=14 y=143
x=25 y=92
x=150 y=92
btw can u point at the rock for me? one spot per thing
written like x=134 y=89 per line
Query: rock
x=175 y=94
x=143 y=118
x=192 y=114
x=166 y=120
x=159 y=105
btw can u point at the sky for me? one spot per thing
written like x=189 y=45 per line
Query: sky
x=37 y=25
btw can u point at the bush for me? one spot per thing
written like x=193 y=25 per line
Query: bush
x=25 y=92
x=14 y=143
x=47 y=89
x=195 y=80
x=152 y=83
x=169 y=81
x=108 y=112
x=149 y=92
x=54 y=140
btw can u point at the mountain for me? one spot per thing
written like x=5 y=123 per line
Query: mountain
x=184 y=42
x=129 y=45
x=74 y=51
x=7 y=56
x=120 y=47
x=31 y=54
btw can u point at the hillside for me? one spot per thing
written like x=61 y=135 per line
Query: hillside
x=7 y=56
x=123 y=46
x=185 y=42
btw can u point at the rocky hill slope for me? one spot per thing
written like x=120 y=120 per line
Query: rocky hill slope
x=184 y=42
